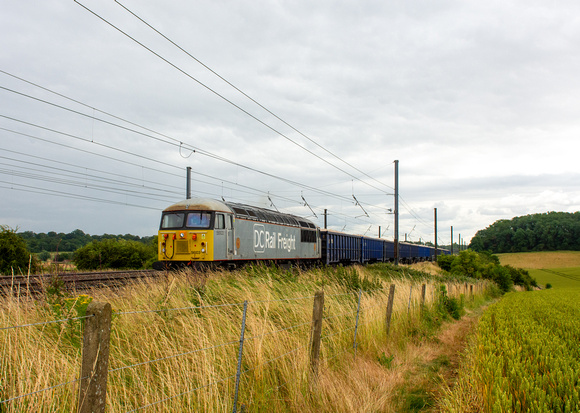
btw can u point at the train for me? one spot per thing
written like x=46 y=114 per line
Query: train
x=201 y=232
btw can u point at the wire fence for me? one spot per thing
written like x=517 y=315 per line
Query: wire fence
x=341 y=332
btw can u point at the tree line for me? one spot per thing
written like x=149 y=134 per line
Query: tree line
x=551 y=231
x=61 y=242
x=25 y=251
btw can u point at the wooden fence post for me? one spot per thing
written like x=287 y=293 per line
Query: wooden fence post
x=95 y=358
x=471 y=292
x=316 y=332
x=389 y=308
x=409 y=305
x=423 y=291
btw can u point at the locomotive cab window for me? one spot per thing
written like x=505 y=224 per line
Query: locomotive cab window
x=198 y=219
x=172 y=220
x=220 y=222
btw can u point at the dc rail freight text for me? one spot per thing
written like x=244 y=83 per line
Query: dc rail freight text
x=199 y=231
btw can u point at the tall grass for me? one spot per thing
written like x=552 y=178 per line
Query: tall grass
x=175 y=341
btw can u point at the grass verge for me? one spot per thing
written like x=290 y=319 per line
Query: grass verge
x=175 y=340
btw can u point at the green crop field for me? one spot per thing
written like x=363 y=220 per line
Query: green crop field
x=558 y=277
x=524 y=357
x=525 y=354
x=561 y=269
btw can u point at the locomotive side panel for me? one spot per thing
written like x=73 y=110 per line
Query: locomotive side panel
x=266 y=241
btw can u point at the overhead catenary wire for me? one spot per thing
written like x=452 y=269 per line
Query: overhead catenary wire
x=85 y=185
x=45 y=169
x=175 y=141
x=85 y=168
x=61 y=194
x=247 y=96
x=110 y=147
x=92 y=141
x=197 y=173
x=140 y=126
x=223 y=97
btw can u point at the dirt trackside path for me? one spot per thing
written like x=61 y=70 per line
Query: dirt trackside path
x=432 y=363
x=410 y=377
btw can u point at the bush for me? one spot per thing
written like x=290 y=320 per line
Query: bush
x=14 y=255
x=445 y=261
x=44 y=256
x=521 y=277
x=115 y=254
x=467 y=263
x=486 y=265
x=501 y=276
x=448 y=306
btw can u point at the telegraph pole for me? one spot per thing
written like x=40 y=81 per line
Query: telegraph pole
x=188 y=184
x=435 y=215
x=396 y=212
x=451 y=239
x=325 y=217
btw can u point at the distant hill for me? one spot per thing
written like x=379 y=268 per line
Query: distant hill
x=72 y=241
x=551 y=231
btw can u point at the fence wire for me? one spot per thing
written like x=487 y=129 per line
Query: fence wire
x=201 y=307
x=42 y=390
x=339 y=315
x=337 y=332
x=363 y=309
x=281 y=299
x=294 y=350
x=182 y=394
x=46 y=322
x=174 y=356
x=277 y=331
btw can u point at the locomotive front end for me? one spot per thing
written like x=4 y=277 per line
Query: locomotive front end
x=186 y=233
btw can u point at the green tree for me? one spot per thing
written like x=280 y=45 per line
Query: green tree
x=14 y=255
x=112 y=253
x=549 y=231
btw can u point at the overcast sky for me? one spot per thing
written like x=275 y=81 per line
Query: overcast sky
x=479 y=102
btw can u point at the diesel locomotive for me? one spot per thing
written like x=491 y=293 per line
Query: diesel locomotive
x=197 y=232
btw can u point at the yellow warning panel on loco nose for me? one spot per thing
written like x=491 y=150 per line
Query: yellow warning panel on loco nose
x=186 y=246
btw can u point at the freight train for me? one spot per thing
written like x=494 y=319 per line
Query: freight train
x=199 y=231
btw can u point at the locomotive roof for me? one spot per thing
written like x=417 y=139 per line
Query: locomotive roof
x=199 y=204
x=241 y=210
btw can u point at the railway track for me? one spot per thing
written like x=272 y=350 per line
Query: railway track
x=72 y=281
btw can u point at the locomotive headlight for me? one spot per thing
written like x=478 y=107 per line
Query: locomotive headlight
x=182 y=235
x=163 y=250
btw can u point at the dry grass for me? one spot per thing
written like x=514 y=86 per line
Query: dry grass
x=539 y=260
x=196 y=348
x=428 y=267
